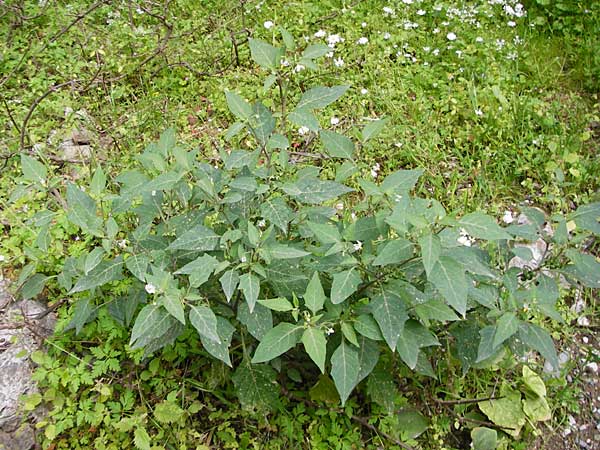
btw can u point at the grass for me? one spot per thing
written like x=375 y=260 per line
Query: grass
x=498 y=116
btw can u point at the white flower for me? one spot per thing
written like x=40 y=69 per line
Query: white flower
x=122 y=243
x=479 y=39
x=303 y=130
x=357 y=246
x=153 y=193
x=268 y=24
x=68 y=111
x=299 y=68
x=407 y=2
x=333 y=39
x=583 y=321
x=243 y=259
x=398 y=197
x=464 y=238
x=478 y=112
x=364 y=24
x=329 y=331
x=320 y=34
x=435 y=52
x=507 y=217
x=511 y=23
x=2 y=258
x=353 y=216
x=451 y=36
x=364 y=91
x=261 y=223
x=362 y=41
x=329 y=55
x=285 y=63
x=386 y=36
x=436 y=30
x=421 y=12
x=338 y=62
x=387 y=11
x=334 y=120
x=339 y=206
x=150 y=288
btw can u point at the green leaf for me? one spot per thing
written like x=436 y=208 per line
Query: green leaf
x=431 y=249
x=394 y=252
x=277 y=141
x=277 y=341
x=482 y=226
x=98 y=182
x=257 y=322
x=280 y=304
x=264 y=54
x=587 y=217
x=373 y=128
x=276 y=211
x=220 y=351
x=168 y=412
x=366 y=325
x=199 y=270
x=466 y=334
x=82 y=211
x=537 y=408
x=486 y=344
x=337 y=145
x=199 y=238
x=81 y=315
x=349 y=333
x=401 y=181
x=325 y=233
x=368 y=356
x=250 y=286
x=152 y=322
x=344 y=171
x=103 y=273
x=506 y=326
x=411 y=423
x=288 y=39
x=315 y=345
x=239 y=107
x=314 y=51
x=344 y=370
x=320 y=96
x=344 y=285
x=138 y=266
x=262 y=123
x=506 y=412
x=229 y=282
x=33 y=170
x=435 y=310
x=304 y=118
x=538 y=339
x=33 y=286
x=256 y=387
x=141 y=440
x=484 y=438
x=203 y=319
x=585 y=269
x=279 y=251
x=533 y=382
x=390 y=313
x=449 y=278
x=314 y=297
x=382 y=389
x=164 y=182
x=414 y=336
x=173 y=302
x=314 y=190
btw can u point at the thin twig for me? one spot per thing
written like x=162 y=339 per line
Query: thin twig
x=466 y=401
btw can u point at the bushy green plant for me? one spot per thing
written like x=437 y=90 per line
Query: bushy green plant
x=260 y=253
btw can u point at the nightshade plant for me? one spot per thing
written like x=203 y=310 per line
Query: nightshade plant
x=257 y=253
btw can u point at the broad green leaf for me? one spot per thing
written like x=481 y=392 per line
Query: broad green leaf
x=277 y=341
x=152 y=322
x=484 y=438
x=430 y=251
x=411 y=423
x=203 y=319
x=33 y=170
x=506 y=326
x=382 y=389
x=93 y=259
x=373 y=128
x=320 y=96
x=304 y=118
x=368 y=356
x=449 y=278
x=264 y=54
x=414 y=336
x=538 y=339
x=314 y=51
x=394 y=252
x=337 y=145
x=314 y=297
x=168 y=412
x=239 y=107
x=235 y=160
x=276 y=211
x=482 y=226
x=533 y=382
x=250 y=286
x=506 y=412
x=315 y=345
x=257 y=322
x=103 y=273
x=401 y=181
x=435 y=310
x=82 y=211
x=288 y=39
x=234 y=130
x=220 y=351
x=278 y=141
x=349 y=333
x=344 y=171
x=172 y=300
x=326 y=233
x=486 y=349
x=199 y=238
x=314 y=190
x=587 y=217
x=344 y=285
x=280 y=304
x=244 y=184
x=585 y=269
x=199 y=270
x=345 y=367
x=279 y=251
x=256 y=387
x=164 y=182
x=366 y=325
x=262 y=123
x=82 y=314
x=390 y=313
x=98 y=182
x=138 y=266
x=466 y=334
x=537 y=408
x=141 y=439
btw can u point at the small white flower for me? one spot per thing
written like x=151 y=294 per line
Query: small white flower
x=303 y=130
x=478 y=112
x=334 y=120
x=122 y=243
x=362 y=41
x=436 y=30
x=421 y=12
x=511 y=23
x=479 y=39
x=329 y=55
x=508 y=217
x=150 y=288
x=459 y=53
x=299 y=68
x=339 y=206
x=357 y=246
x=2 y=258
x=408 y=2
x=583 y=321
x=353 y=216
x=333 y=39
x=243 y=259
x=268 y=24
x=320 y=34
x=464 y=238
x=426 y=49
x=386 y=36
x=363 y=25
x=153 y=193
x=364 y=91
x=329 y=331
x=338 y=62
x=387 y=11
x=451 y=36
x=285 y=63
x=435 y=52
x=398 y=197
x=261 y=223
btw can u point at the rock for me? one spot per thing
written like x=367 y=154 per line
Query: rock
x=76 y=148
x=23 y=325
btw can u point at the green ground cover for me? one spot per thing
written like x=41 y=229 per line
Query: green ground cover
x=497 y=103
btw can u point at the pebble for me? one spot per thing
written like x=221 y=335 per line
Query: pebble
x=592 y=367
x=583 y=321
x=585 y=340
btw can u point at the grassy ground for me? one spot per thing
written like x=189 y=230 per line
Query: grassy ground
x=499 y=106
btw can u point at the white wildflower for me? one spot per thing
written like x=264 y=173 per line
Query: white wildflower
x=364 y=91
x=464 y=238
x=150 y=288
x=2 y=258
x=408 y=2
x=303 y=130
x=386 y=36
x=334 y=120
x=363 y=25
x=511 y=23
x=285 y=63
x=299 y=68
x=478 y=112
x=387 y=11
x=421 y=12
x=333 y=39
x=329 y=331
x=268 y=24
x=320 y=34
x=122 y=243
x=153 y=193
x=583 y=321
x=436 y=30
x=261 y=223
x=362 y=41
x=357 y=246
x=435 y=52
x=451 y=36
x=353 y=216
x=329 y=55
x=479 y=39
x=243 y=259
x=338 y=62
x=339 y=206
x=508 y=217
x=375 y=170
